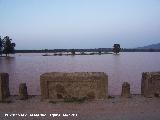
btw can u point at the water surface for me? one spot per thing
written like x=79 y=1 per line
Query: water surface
x=124 y=67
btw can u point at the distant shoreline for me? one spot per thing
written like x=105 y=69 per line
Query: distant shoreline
x=69 y=54
x=85 y=50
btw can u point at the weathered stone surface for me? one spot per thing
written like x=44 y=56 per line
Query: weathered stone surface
x=150 y=84
x=4 y=86
x=58 y=86
x=126 y=90
x=23 y=94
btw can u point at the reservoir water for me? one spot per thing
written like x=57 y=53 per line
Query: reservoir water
x=128 y=66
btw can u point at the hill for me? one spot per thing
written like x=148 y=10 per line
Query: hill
x=153 y=46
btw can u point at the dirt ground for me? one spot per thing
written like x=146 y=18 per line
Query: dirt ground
x=117 y=108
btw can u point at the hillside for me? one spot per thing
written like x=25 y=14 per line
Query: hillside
x=153 y=46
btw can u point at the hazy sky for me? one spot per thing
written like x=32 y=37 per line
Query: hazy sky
x=40 y=24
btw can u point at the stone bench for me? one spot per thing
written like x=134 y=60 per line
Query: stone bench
x=58 y=85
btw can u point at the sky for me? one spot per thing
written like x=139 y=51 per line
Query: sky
x=52 y=24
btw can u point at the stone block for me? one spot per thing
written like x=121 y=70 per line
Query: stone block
x=4 y=86
x=150 y=84
x=126 y=90
x=23 y=94
x=58 y=86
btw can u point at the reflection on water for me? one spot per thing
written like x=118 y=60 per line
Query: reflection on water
x=124 y=67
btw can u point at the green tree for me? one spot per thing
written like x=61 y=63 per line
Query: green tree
x=116 y=48
x=1 y=46
x=99 y=51
x=8 y=46
x=73 y=52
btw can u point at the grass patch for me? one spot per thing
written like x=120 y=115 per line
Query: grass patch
x=110 y=97
x=53 y=102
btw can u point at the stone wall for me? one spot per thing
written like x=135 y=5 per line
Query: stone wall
x=57 y=85
x=150 y=85
x=4 y=86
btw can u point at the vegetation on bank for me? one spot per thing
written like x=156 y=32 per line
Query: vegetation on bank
x=116 y=48
x=86 y=50
x=6 y=46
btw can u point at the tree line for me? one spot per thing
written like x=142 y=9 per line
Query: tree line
x=6 y=46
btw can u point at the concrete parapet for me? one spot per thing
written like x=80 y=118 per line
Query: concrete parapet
x=58 y=86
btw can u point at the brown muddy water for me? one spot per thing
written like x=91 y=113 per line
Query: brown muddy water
x=124 y=67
